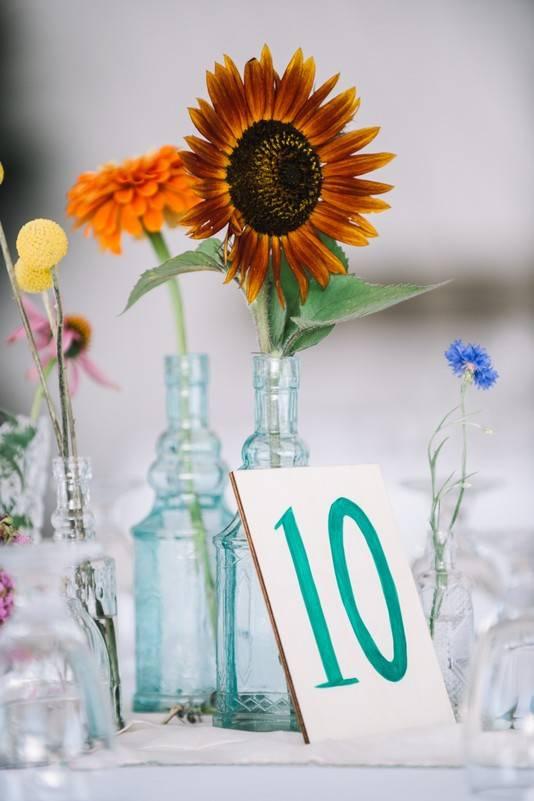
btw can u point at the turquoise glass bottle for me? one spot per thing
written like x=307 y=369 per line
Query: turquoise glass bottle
x=251 y=687
x=175 y=604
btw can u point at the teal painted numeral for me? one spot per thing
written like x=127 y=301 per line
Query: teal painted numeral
x=392 y=670
x=312 y=602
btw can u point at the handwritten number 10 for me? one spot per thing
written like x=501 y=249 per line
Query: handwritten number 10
x=392 y=670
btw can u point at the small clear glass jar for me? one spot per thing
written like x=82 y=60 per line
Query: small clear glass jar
x=499 y=719
x=445 y=594
x=92 y=587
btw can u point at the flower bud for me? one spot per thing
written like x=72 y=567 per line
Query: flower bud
x=31 y=280
x=42 y=244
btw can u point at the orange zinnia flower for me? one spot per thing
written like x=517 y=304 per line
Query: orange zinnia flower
x=276 y=169
x=138 y=195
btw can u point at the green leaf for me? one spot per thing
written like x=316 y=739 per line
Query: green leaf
x=301 y=340
x=7 y=417
x=336 y=249
x=192 y=261
x=279 y=316
x=212 y=247
x=348 y=297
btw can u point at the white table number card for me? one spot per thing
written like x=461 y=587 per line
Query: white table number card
x=352 y=636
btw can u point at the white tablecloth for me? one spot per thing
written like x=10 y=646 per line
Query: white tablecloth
x=197 y=762
x=146 y=741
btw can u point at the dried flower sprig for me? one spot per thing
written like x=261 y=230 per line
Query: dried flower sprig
x=41 y=245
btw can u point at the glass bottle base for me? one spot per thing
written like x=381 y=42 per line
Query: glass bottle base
x=256 y=712
x=157 y=702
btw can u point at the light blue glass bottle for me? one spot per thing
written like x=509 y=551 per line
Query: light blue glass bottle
x=174 y=553
x=251 y=687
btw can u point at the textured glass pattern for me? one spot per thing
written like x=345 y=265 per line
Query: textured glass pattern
x=251 y=687
x=91 y=587
x=53 y=706
x=447 y=604
x=174 y=552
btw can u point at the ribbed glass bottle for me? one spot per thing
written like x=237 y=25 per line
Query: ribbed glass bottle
x=251 y=687
x=92 y=587
x=174 y=553
x=447 y=603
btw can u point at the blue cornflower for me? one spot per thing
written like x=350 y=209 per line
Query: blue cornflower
x=472 y=360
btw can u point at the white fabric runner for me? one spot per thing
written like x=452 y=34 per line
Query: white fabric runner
x=147 y=741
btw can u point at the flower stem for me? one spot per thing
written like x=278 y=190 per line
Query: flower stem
x=61 y=368
x=195 y=510
x=260 y=313
x=463 y=476
x=162 y=252
x=39 y=394
x=30 y=338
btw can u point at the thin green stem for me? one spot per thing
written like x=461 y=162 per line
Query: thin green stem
x=39 y=394
x=195 y=510
x=162 y=252
x=61 y=368
x=30 y=338
x=260 y=313
x=463 y=477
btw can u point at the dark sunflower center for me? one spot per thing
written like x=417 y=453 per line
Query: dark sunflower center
x=274 y=177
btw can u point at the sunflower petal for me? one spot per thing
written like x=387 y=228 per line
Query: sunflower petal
x=346 y=144
x=296 y=267
x=356 y=186
x=223 y=105
x=331 y=117
x=289 y=86
x=258 y=268
x=266 y=62
x=254 y=88
x=314 y=101
x=275 y=266
x=335 y=225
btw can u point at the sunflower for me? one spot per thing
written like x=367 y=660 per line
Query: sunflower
x=276 y=170
x=139 y=195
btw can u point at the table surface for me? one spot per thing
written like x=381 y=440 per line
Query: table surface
x=230 y=783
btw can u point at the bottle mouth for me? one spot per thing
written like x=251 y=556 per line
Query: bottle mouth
x=72 y=465
x=281 y=372
x=190 y=368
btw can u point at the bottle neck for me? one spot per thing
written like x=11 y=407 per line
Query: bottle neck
x=187 y=391
x=443 y=551
x=276 y=410
x=275 y=442
x=73 y=518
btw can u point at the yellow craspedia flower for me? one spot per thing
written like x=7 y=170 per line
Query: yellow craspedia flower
x=30 y=279
x=42 y=244
x=1 y=173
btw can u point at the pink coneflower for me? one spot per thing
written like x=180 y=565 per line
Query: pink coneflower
x=6 y=596
x=76 y=340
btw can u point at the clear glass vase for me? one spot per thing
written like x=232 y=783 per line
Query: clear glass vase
x=24 y=454
x=252 y=692
x=445 y=595
x=499 y=720
x=174 y=553
x=91 y=586
x=53 y=705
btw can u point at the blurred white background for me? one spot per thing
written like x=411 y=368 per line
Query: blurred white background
x=451 y=85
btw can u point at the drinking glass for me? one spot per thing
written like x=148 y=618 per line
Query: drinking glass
x=499 y=721
x=54 y=708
